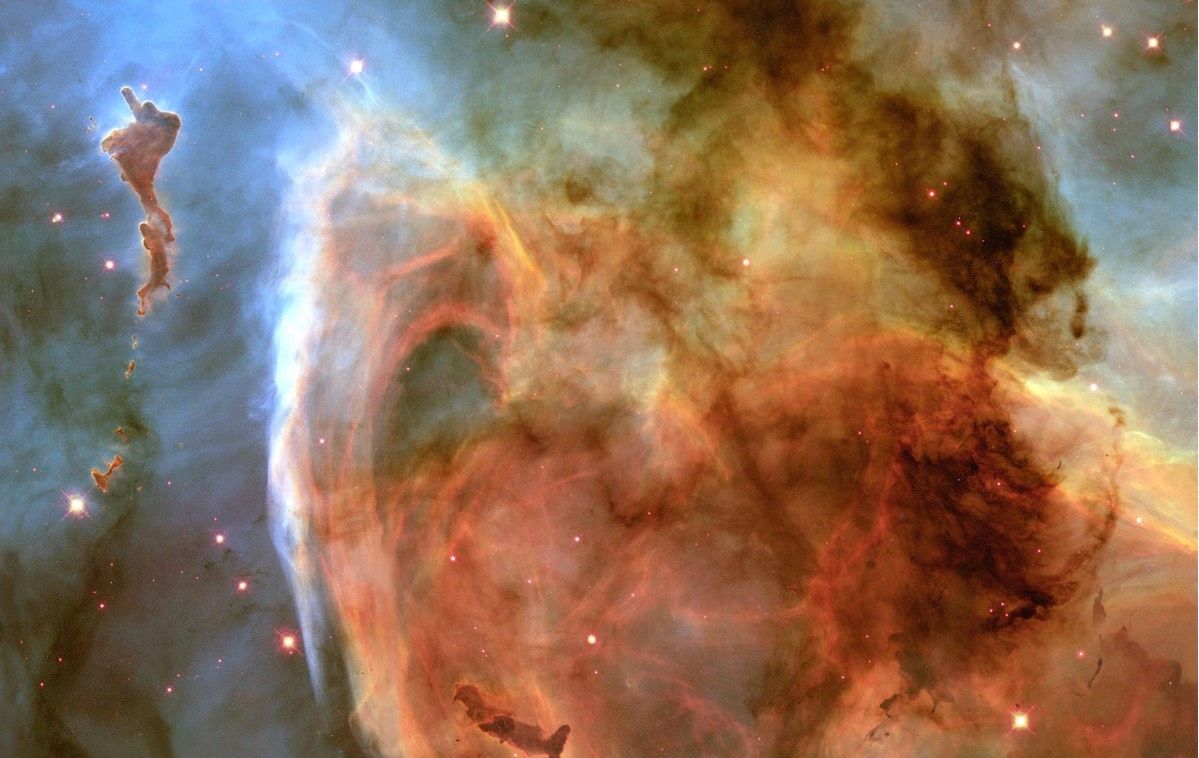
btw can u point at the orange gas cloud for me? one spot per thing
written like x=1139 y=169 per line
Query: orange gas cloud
x=718 y=448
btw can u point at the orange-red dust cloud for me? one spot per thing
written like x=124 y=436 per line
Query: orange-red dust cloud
x=697 y=423
x=138 y=149
x=130 y=368
x=102 y=477
x=500 y=724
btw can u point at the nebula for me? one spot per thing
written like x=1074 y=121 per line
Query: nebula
x=772 y=378
x=713 y=445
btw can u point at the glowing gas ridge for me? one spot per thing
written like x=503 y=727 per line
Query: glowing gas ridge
x=297 y=337
x=295 y=329
x=312 y=345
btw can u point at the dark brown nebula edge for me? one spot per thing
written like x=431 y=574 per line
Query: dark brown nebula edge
x=619 y=379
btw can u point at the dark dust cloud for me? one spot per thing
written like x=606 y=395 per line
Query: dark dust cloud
x=598 y=379
x=138 y=148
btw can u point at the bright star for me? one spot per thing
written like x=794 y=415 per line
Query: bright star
x=356 y=66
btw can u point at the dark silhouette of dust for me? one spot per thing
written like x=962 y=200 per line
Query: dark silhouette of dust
x=501 y=725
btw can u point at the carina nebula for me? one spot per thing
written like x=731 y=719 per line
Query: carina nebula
x=734 y=378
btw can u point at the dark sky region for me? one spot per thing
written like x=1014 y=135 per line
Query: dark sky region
x=598 y=379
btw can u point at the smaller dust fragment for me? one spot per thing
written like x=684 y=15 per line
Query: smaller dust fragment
x=102 y=477
x=500 y=725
